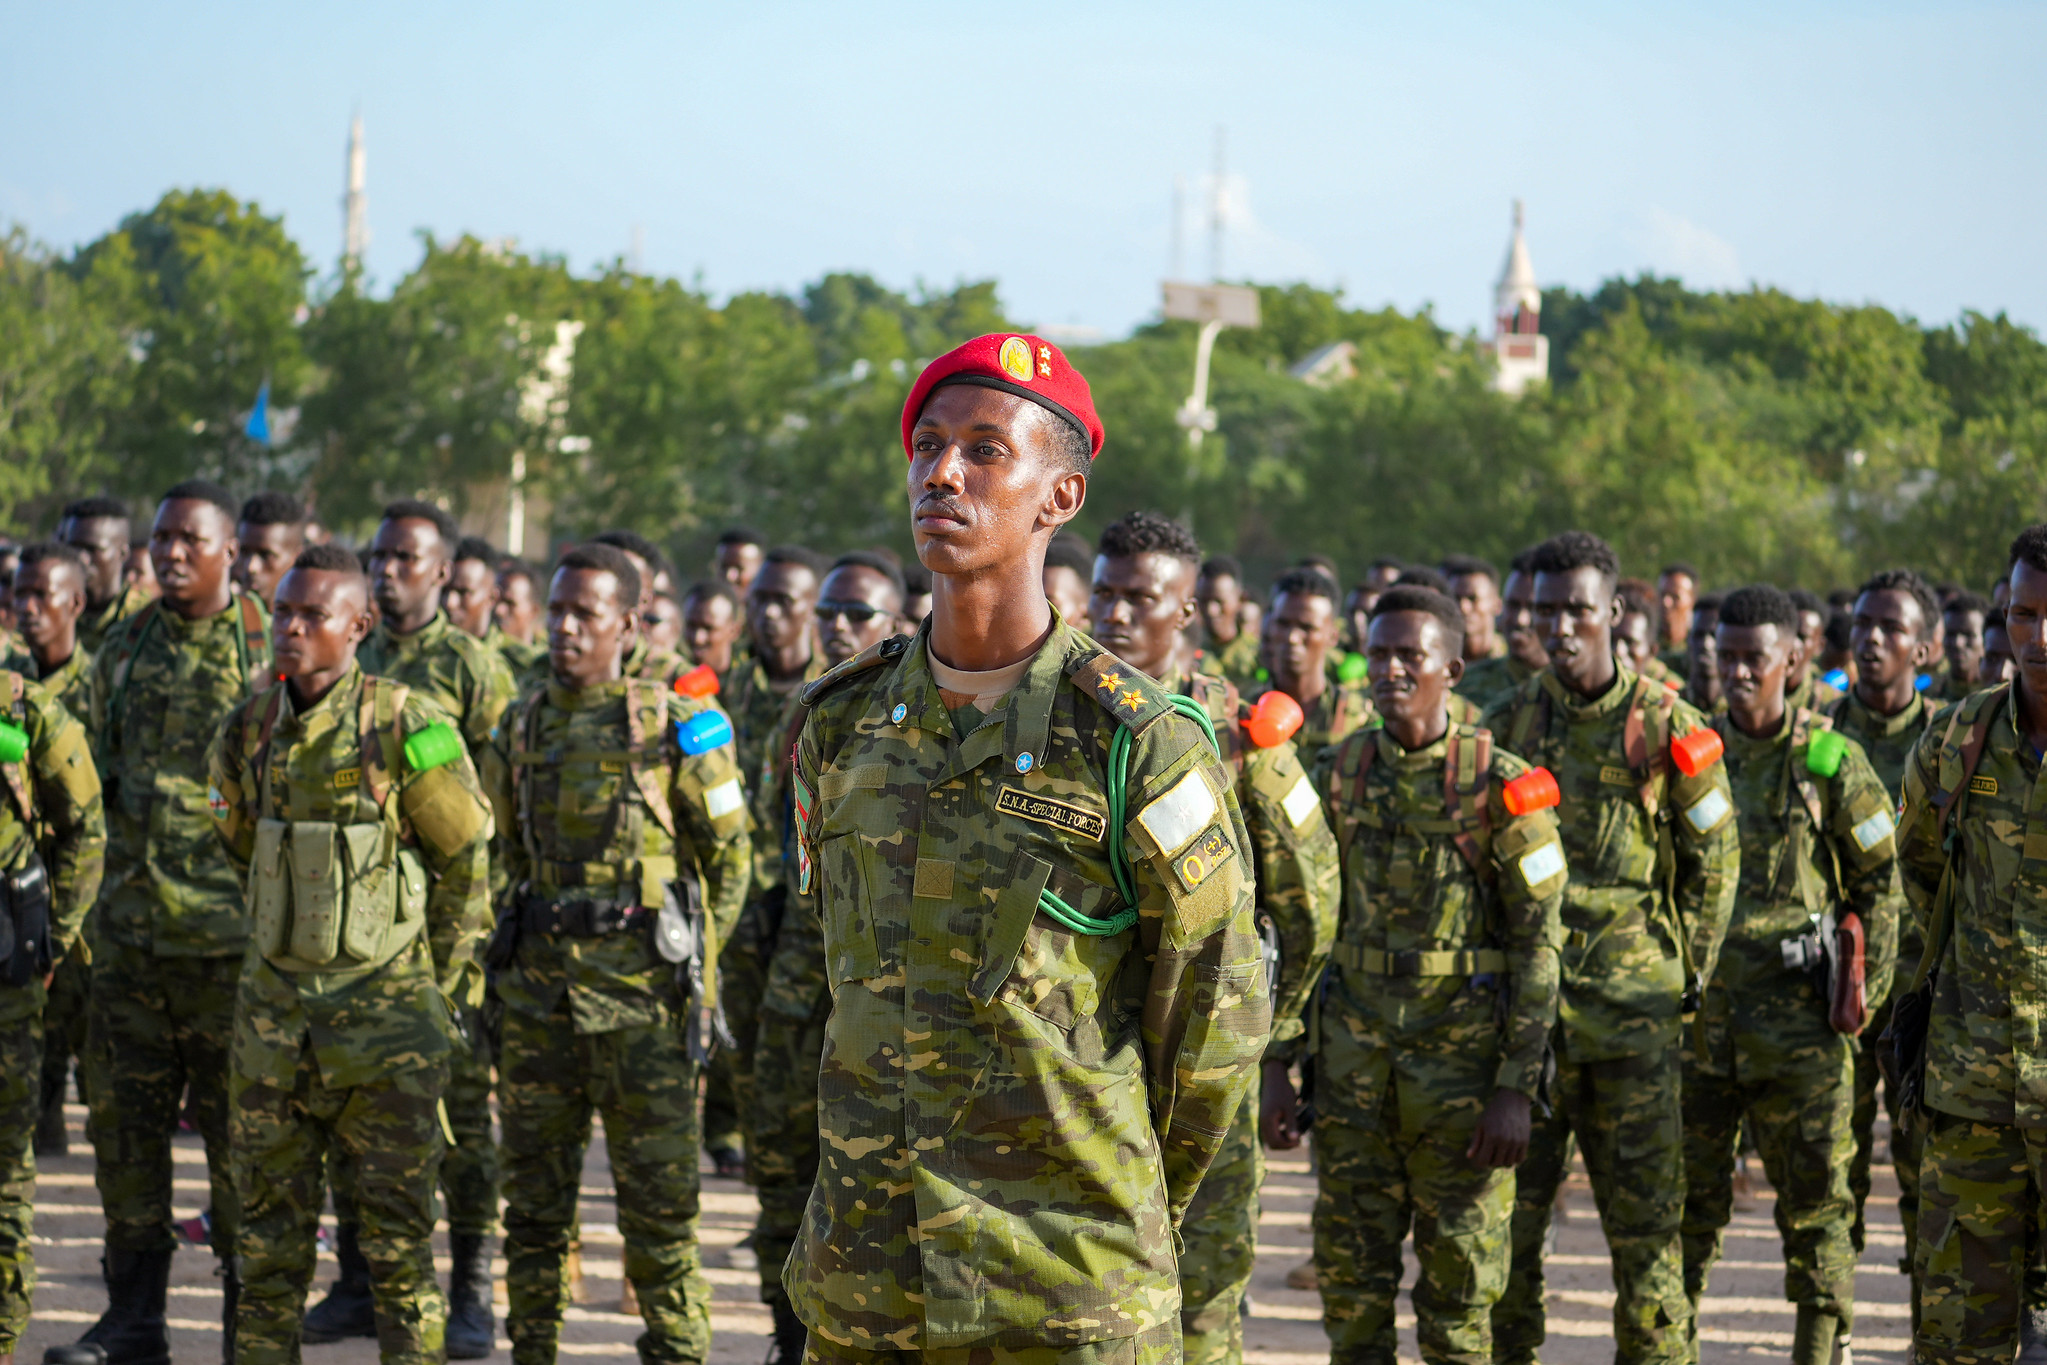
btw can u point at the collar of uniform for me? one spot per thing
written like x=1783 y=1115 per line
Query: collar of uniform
x=583 y=698
x=426 y=636
x=60 y=677
x=1740 y=741
x=187 y=627
x=340 y=697
x=1580 y=708
x=1429 y=755
x=1021 y=725
x=1869 y=722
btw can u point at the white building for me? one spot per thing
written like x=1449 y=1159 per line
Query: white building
x=1520 y=350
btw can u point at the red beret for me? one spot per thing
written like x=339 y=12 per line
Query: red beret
x=1027 y=366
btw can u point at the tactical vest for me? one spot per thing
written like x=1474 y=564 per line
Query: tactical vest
x=337 y=895
x=21 y=792
x=130 y=635
x=1793 y=878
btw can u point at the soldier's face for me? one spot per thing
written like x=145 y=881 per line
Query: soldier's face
x=1357 y=612
x=268 y=548
x=857 y=608
x=738 y=564
x=318 y=620
x=1675 y=593
x=1478 y=602
x=472 y=592
x=1300 y=635
x=662 y=621
x=192 y=547
x=2025 y=621
x=1517 y=620
x=587 y=627
x=778 y=609
x=104 y=543
x=1998 y=664
x=1634 y=640
x=1067 y=591
x=1888 y=637
x=1963 y=633
x=409 y=567
x=1220 y=597
x=1140 y=604
x=49 y=597
x=711 y=625
x=1754 y=663
x=1575 y=614
x=1410 y=666
x=985 y=480
x=1702 y=656
x=138 y=573
x=517 y=613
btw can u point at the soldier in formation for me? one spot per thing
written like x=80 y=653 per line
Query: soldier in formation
x=269 y=534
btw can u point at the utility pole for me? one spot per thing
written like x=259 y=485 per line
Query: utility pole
x=355 y=209
x=1215 y=214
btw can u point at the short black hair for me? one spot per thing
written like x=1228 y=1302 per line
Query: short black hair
x=1421 y=576
x=1072 y=449
x=598 y=556
x=1639 y=596
x=328 y=558
x=1222 y=566
x=1322 y=562
x=1841 y=629
x=44 y=550
x=1523 y=561
x=1805 y=599
x=1684 y=567
x=202 y=490
x=742 y=535
x=1841 y=597
x=714 y=587
x=272 y=508
x=511 y=566
x=1569 y=551
x=1966 y=601
x=1993 y=619
x=868 y=559
x=917 y=580
x=414 y=509
x=1760 y=604
x=95 y=509
x=2029 y=546
x=1912 y=585
x=1139 y=533
x=633 y=543
x=1418 y=597
x=1382 y=562
x=1302 y=582
x=1708 y=601
x=1458 y=566
x=798 y=554
x=477 y=548
x=1069 y=551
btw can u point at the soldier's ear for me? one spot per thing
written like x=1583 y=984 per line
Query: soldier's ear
x=1455 y=672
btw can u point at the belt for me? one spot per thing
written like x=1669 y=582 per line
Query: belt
x=550 y=873
x=1415 y=962
x=578 y=918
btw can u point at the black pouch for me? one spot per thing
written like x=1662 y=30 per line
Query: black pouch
x=503 y=948
x=28 y=915
x=1901 y=1050
x=682 y=922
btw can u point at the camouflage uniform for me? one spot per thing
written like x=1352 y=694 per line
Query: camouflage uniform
x=1983 y=1161
x=1490 y=681
x=1445 y=991
x=1236 y=661
x=95 y=625
x=1025 y=1076
x=644 y=661
x=170 y=926
x=603 y=813
x=528 y=662
x=1813 y=848
x=64 y=1015
x=474 y=684
x=50 y=810
x=1888 y=741
x=345 y=1045
x=1634 y=829
x=1297 y=894
x=1342 y=708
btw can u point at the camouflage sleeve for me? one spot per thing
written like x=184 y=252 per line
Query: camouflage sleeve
x=1707 y=846
x=102 y=703
x=1297 y=883
x=1208 y=1011
x=709 y=801
x=499 y=783
x=1862 y=830
x=491 y=692
x=229 y=802
x=451 y=817
x=1920 y=858
x=67 y=799
x=1529 y=877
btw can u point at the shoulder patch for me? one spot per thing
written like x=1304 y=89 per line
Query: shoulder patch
x=1119 y=689
x=888 y=651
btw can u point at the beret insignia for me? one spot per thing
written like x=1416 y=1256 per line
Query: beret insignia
x=1015 y=360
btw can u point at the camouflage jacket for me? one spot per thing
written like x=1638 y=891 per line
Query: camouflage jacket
x=1342 y=708
x=1446 y=974
x=1810 y=846
x=71 y=683
x=1490 y=681
x=95 y=626
x=160 y=688
x=795 y=983
x=644 y=661
x=528 y=662
x=1986 y=1045
x=1295 y=854
x=598 y=802
x=1888 y=741
x=1025 y=1076
x=1236 y=661
x=343 y=761
x=463 y=675
x=1654 y=856
x=757 y=709
x=51 y=807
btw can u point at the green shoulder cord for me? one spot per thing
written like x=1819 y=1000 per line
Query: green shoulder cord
x=1119 y=863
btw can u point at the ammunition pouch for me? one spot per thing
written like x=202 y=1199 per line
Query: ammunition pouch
x=578 y=918
x=682 y=935
x=328 y=897
x=25 y=954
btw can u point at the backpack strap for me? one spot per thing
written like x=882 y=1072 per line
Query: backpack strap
x=1467 y=763
x=1347 y=784
x=18 y=787
x=1956 y=767
x=646 y=717
x=377 y=738
x=251 y=638
x=1646 y=742
x=256 y=744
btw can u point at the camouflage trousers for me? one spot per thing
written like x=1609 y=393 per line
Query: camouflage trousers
x=1798 y=1096
x=1219 y=1244
x=781 y=1141
x=1158 y=1346
x=1376 y=1183
x=1626 y=1117
x=1904 y=1143
x=21 y=1046
x=392 y=1131
x=159 y=1025
x=1982 y=1204
x=728 y=1080
x=469 y=1172
x=64 y=1027
x=551 y=1082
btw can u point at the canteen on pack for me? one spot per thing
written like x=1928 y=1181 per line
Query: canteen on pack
x=13 y=743
x=1696 y=752
x=1534 y=790
x=700 y=681
x=1824 y=752
x=1274 y=718
x=703 y=732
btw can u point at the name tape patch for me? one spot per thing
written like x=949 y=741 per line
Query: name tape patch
x=1174 y=819
x=1983 y=786
x=348 y=777
x=1058 y=814
x=1708 y=811
x=1617 y=777
x=1540 y=864
x=1874 y=830
x=1196 y=864
x=1300 y=803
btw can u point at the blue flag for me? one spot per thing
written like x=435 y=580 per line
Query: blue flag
x=257 y=428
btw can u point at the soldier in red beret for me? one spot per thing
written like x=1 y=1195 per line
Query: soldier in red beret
x=1048 y=997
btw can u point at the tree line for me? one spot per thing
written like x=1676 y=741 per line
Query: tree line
x=1755 y=434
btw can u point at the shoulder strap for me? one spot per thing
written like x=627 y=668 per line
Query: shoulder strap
x=18 y=785
x=1647 y=743
x=1128 y=695
x=251 y=638
x=646 y=713
x=1467 y=763
x=132 y=633
x=889 y=650
x=1347 y=774
x=377 y=739
x=1957 y=765
x=1528 y=717
x=526 y=731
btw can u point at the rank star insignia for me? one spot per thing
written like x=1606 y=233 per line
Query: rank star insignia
x=1110 y=682
x=1133 y=700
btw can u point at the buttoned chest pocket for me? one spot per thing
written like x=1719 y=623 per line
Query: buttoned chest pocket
x=1062 y=963
x=861 y=893
x=1623 y=845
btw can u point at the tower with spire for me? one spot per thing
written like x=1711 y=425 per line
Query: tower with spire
x=1520 y=350
x=355 y=219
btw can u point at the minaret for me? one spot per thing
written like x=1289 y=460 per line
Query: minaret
x=355 y=222
x=1519 y=349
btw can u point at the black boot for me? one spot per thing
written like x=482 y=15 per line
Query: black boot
x=132 y=1330
x=472 y=1332
x=348 y=1310
x=786 y=1346
x=230 y=1295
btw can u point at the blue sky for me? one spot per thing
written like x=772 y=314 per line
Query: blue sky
x=1859 y=152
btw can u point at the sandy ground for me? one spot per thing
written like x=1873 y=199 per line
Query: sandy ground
x=1744 y=1317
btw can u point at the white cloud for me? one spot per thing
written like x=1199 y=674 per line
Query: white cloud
x=1702 y=258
